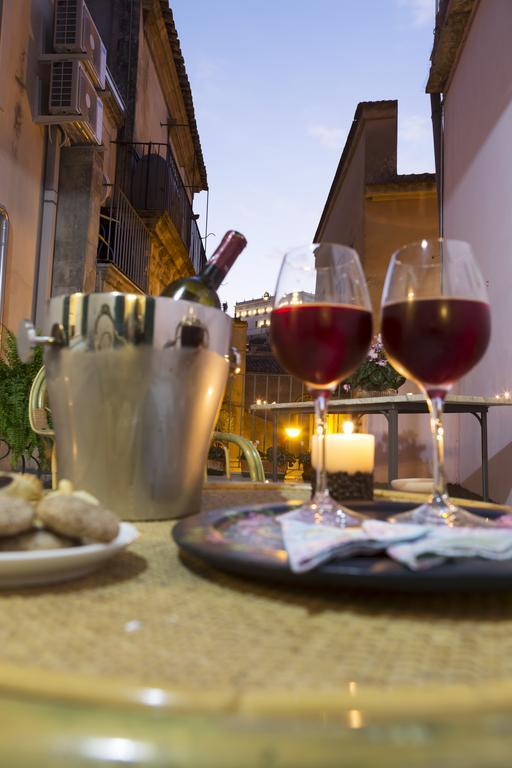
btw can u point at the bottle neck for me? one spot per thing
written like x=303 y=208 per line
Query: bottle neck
x=223 y=259
x=212 y=276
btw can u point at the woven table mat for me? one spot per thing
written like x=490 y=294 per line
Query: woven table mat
x=149 y=618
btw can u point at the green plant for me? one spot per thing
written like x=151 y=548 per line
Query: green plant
x=376 y=372
x=305 y=459
x=307 y=467
x=283 y=457
x=216 y=452
x=15 y=381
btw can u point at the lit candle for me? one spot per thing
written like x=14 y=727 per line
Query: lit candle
x=348 y=452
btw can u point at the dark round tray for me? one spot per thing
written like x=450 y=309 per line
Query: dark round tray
x=247 y=541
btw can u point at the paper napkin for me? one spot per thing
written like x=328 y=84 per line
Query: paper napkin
x=416 y=546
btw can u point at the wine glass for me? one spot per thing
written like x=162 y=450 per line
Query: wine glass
x=321 y=327
x=436 y=325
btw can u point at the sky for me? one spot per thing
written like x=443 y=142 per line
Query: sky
x=275 y=85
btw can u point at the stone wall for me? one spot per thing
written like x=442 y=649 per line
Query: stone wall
x=109 y=278
x=22 y=149
x=169 y=258
x=76 y=237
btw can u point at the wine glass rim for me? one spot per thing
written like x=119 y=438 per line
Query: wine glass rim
x=318 y=303
x=312 y=246
x=341 y=261
x=431 y=240
x=424 y=243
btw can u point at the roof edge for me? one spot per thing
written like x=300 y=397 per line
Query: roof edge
x=363 y=111
x=453 y=21
x=186 y=91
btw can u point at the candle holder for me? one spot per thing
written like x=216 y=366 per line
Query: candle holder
x=345 y=486
x=350 y=459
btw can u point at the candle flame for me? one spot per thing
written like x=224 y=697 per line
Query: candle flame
x=355 y=719
x=348 y=427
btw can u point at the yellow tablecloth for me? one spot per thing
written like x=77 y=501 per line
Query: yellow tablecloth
x=152 y=628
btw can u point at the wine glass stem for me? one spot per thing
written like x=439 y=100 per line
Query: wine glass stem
x=322 y=490
x=435 y=406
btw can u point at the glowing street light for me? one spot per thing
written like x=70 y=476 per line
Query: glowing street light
x=292 y=431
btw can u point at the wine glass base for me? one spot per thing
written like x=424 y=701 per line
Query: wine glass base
x=445 y=513
x=324 y=510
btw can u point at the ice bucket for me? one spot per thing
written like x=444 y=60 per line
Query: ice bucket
x=135 y=384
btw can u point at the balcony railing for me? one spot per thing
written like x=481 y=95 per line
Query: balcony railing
x=148 y=175
x=124 y=239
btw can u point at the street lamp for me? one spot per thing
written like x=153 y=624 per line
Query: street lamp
x=291 y=432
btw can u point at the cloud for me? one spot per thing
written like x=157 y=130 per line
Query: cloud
x=415 y=145
x=415 y=128
x=422 y=12
x=328 y=137
x=207 y=69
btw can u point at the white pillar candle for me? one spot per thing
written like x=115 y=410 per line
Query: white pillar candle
x=346 y=452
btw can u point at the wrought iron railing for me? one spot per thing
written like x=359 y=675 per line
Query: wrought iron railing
x=278 y=388
x=147 y=173
x=124 y=238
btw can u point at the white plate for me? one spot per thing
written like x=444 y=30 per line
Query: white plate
x=48 y=566
x=414 y=484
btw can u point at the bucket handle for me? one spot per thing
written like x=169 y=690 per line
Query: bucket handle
x=27 y=339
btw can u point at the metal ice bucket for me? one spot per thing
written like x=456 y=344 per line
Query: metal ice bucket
x=135 y=384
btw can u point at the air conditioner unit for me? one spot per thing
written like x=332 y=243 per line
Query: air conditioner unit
x=75 y=32
x=72 y=95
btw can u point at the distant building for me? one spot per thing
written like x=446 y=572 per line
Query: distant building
x=265 y=380
x=370 y=206
x=256 y=313
x=98 y=179
x=375 y=210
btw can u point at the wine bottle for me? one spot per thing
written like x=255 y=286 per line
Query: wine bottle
x=202 y=288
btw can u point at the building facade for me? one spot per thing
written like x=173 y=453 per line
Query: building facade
x=256 y=313
x=471 y=77
x=370 y=207
x=264 y=379
x=375 y=210
x=100 y=152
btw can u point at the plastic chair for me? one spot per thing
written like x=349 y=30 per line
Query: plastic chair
x=256 y=471
x=227 y=460
x=38 y=416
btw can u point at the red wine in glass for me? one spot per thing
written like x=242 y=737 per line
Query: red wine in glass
x=321 y=344
x=436 y=341
x=321 y=327
x=436 y=325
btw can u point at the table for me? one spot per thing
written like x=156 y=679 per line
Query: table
x=391 y=407
x=158 y=661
